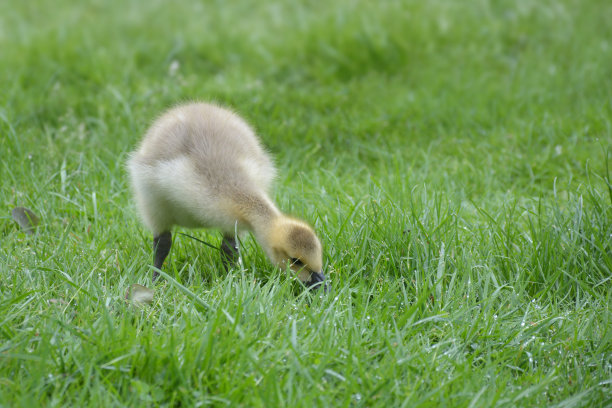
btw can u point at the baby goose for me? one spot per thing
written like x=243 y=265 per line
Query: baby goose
x=201 y=166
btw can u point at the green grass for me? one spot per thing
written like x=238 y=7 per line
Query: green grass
x=452 y=155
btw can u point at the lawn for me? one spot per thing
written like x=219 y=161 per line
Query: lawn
x=453 y=157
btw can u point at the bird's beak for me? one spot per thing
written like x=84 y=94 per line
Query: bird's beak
x=317 y=281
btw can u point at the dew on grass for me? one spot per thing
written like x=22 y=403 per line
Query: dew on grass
x=357 y=397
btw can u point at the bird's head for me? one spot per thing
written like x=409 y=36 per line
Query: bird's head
x=293 y=243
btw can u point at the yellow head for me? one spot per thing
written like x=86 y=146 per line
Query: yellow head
x=292 y=242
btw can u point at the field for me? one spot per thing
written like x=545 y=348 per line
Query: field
x=453 y=157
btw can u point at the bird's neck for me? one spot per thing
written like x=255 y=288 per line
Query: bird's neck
x=257 y=211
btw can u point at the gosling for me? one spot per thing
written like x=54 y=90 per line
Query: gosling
x=202 y=166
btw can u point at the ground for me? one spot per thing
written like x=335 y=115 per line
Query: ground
x=453 y=157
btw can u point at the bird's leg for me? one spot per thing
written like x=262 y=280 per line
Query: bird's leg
x=229 y=249
x=161 y=248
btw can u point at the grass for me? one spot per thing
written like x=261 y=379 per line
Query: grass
x=453 y=156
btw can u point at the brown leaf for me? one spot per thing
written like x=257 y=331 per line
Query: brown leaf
x=139 y=294
x=26 y=219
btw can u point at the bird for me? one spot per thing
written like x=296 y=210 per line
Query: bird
x=200 y=165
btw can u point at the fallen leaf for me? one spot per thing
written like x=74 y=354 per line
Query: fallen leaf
x=139 y=294
x=26 y=219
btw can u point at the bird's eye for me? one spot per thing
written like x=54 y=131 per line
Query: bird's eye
x=296 y=262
